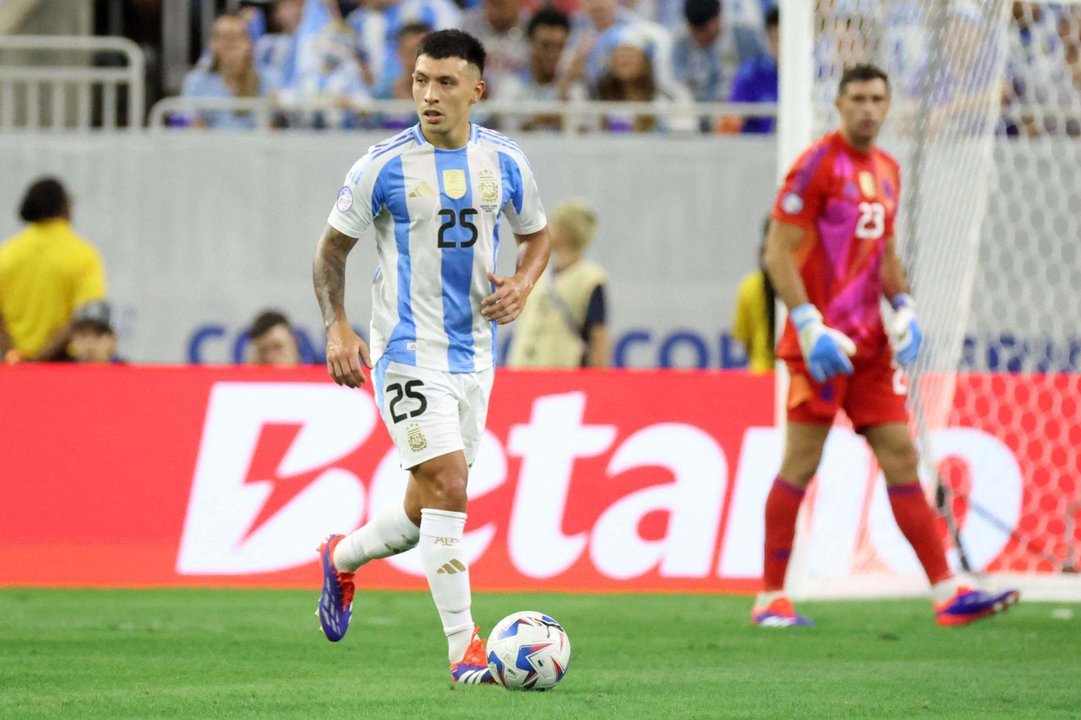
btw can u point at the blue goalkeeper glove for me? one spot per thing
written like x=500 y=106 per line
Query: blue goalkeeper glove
x=905 y=334
x=825 y=350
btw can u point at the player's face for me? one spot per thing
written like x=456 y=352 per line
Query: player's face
x=863 y=108
x=445 y=91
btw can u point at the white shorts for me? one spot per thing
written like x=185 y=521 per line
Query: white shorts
x=430 y=412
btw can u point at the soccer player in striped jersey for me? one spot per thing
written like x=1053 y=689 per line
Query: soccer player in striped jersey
x=432 y=196
x=830 y=254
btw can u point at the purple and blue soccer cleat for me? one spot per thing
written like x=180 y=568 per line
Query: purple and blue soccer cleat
x=336 y=601
x=968 y=605
x=779 y=613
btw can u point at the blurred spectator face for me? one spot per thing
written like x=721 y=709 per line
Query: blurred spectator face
x=863 y=108
x=601 y=12
x=1069 y=29
x=502 y=14
x=629 y=63
x=93 y=343
x=287 y=15
x=230 y=44
x=562 y=237
x=773 y=38
x=1025 y=12
x=276 y=346
x=407 y=48
x=546 y=46
x=704 y=34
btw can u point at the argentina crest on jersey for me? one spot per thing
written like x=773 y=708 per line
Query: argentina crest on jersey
x=488 y=192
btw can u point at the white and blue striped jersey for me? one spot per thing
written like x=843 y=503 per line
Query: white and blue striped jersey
x=436 y=219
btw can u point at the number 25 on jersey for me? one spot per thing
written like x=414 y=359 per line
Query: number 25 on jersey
x=872 y=222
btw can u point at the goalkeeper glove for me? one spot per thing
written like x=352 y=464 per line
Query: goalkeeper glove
x=826 y=350
x=905 y=335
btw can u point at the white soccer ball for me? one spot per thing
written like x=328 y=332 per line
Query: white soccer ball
x=528 y=651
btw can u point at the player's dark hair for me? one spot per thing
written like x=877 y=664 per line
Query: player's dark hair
x=453 y=43
x=700 y=12
x=773 y=17
x=862 y=73
x=45 y=199
x=548 y=16
x=266 y=320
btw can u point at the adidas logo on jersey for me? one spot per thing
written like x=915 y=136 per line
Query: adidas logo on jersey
x=422 y=190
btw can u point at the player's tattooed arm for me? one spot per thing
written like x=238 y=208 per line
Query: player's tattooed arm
x=345 y=350
x=328 y=273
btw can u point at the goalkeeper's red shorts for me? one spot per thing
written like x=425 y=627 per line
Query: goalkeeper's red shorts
x=873 y=394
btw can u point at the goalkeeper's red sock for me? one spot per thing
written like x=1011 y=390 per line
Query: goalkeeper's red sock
x=917 y=521
x=782 y=507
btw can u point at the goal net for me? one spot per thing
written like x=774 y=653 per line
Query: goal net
x=986 y=124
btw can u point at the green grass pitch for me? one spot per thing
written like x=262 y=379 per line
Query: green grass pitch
x=259 y=654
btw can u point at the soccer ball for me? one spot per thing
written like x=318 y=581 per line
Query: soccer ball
x=528 y=651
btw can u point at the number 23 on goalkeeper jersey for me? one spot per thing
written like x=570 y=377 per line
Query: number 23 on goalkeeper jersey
x=436 y=216
x=847 y=201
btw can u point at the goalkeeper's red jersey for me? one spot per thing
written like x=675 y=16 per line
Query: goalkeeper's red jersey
x=847 y=201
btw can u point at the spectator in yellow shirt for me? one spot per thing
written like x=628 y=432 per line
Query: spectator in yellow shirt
x=46 y=273
x=754 y=323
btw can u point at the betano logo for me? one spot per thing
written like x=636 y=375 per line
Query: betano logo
x=244 y=518
x=251 y=512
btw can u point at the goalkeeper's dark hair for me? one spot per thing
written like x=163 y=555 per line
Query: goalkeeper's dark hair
x=44 y=200
x=862 y=73
x=443 y=44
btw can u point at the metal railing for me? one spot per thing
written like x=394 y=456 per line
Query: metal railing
x=265 y=114
x=49 y=83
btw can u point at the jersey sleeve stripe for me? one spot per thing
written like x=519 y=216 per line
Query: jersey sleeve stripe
x=512 y=181
x=807 y=169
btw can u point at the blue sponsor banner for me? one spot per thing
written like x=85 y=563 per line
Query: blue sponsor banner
x=677 y=348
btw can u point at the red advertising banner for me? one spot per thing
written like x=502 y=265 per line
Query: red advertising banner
x=619 y=480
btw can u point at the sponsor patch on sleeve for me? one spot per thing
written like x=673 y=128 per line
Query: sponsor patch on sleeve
x=345 y=200
x=790 y=203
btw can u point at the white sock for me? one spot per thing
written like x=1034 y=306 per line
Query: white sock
x=388 y=533
x=943 y=590
x=448 y=576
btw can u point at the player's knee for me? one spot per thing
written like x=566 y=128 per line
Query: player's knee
x=444 y=487
x=899 y=462
x=799 y=470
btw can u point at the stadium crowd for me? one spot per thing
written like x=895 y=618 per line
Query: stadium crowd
x=339 y=55
x=342 y=55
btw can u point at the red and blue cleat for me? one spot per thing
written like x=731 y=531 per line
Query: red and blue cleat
x=779 y=613
x=968 y=605
x=472 y=669
x=336 y=601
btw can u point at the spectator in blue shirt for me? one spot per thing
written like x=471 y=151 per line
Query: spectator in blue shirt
x=756 y=79
x=230 y=73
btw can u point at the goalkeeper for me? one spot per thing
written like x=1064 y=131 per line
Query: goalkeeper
x=830 y=254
